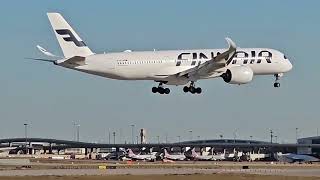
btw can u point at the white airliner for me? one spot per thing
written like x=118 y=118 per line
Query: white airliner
x=175 y=67
x=213 y=157
x=142 y=157
x=174 y=157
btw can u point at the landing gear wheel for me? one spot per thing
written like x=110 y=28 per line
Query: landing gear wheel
x=276 y=85
x=186 y=89
x=154 y=89
x=192 y=89
x=198 y=90
x=166 y=90
x=161 y=90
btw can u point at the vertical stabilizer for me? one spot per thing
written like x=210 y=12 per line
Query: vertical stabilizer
x=69 y=41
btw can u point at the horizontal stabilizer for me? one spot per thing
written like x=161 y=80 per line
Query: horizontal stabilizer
x=45 y=60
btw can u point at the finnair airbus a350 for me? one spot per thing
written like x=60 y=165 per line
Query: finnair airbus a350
x=176 y=67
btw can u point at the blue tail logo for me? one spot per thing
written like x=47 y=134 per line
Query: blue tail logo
x=71 y=37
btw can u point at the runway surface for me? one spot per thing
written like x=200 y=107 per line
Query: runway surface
x=159 y=171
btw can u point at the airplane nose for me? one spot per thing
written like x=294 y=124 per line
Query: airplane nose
x=289 y=65
x=286 y=66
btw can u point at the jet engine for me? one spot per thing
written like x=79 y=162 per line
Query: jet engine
x=238 y=75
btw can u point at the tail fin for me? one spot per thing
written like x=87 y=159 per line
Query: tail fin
x=193 y=153
x=130 y=152
x=70 y=43
x=166 y=152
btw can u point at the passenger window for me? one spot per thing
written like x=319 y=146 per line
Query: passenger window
x=193 y=63
x=252 y=61
x=259 y=61
x=245 y=61
x=234 y=61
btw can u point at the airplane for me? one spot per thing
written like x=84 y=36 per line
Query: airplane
x=5 y=151
x=172 y=67
x=196 y=156
x=292 y=158
x=219 y=157
x=213 y=157
x=145 y=157
x=174 y=157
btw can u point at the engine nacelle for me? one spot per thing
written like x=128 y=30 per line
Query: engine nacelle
x=238 y=75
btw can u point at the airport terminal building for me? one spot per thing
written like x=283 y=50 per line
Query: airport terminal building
x=309 y=150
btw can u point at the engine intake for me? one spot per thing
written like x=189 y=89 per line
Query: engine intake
x=238 y=75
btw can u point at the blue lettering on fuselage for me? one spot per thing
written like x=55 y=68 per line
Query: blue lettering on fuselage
x=246 y=57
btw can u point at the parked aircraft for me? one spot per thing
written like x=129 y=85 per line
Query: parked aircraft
x=175 y=67
x=292 y=158
x=5 y=151
x=146 y=157
x=217 y=157
x=174 y=157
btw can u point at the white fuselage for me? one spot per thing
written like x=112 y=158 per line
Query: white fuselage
x=161 y=65
x=175 y=157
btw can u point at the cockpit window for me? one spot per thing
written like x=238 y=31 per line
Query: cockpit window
x=284 y=56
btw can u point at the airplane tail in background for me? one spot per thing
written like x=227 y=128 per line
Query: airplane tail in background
x=69 y=41
x=130 y=153
x=193 y=153
x=165 y=152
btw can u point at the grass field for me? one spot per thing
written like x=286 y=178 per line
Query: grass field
x=162 y=177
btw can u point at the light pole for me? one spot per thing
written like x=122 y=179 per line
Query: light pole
x=114 y=137
x=271 y=135
x=74 y=130
x=297 y=135
x=109 y=137
x=78 y=132
x=26 y=135
x=251 y=138
x=190 y=135
x=132 y=133
x=221 y=136
x=234 y=135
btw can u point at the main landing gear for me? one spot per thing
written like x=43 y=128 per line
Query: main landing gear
x=160 y=89
x=192 y=89
x=276 y=83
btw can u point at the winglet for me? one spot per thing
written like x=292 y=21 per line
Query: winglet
x=231 y=43
x=45 y=52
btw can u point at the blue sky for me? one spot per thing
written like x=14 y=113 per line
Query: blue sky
x=50 y=98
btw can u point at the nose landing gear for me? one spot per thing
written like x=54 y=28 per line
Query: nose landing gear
x=276 y=83
x=192 y=89
x=160 y=89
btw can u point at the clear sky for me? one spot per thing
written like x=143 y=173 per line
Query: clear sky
x=51 y=98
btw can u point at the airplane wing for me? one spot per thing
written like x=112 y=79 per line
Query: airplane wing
x=212 y=66
x=304 y=158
